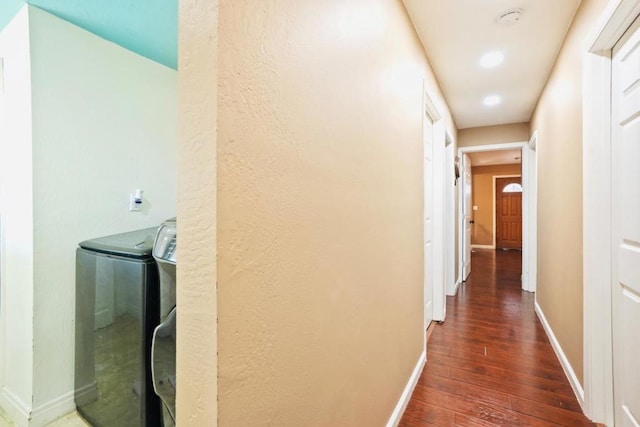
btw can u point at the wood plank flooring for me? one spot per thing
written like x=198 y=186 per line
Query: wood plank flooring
x=490 y=363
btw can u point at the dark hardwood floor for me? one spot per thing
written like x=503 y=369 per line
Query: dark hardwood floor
x=490 y=363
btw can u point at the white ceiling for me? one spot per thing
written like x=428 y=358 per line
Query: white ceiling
x=456 y=33
x=502 y=157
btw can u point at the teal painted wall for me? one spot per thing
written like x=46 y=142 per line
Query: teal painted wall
x=147 y=27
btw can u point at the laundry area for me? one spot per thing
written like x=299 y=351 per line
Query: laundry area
x=125 y=328
x=88 y=177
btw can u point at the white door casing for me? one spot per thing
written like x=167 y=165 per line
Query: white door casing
x=597 y=203
x=625 y=283
x=450 y=217
x=529 y=217
x=467 y=215
x=530 y=214
x=434 y=212
x=439 y=209
x=427 y=135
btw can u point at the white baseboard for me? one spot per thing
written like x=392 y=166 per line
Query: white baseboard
x=564 y=362
x=17 y=411
x=394 y=420
x=22 y=416
x=52 y=410
x=482 y=247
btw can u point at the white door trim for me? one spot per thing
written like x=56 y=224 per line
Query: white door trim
x=529 y=218
x=439 y=157
x=450 y=276
x=438 y=242
x=530 y=212
x=427 y=217
x=493 y=190
x=596 y=157
x=465 y=248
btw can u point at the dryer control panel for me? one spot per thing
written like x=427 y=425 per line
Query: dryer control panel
x=165 y=248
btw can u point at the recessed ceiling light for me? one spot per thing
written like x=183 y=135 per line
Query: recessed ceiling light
x=491 y=100
x=492 y=59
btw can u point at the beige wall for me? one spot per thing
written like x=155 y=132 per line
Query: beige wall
x=558 y=121
x=319 y=210
x=486 y=135
x=482 y=196
x=197 y=398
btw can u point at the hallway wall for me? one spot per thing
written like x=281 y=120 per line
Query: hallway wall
x=320 y=181
x=487 y=135
x=558 y=121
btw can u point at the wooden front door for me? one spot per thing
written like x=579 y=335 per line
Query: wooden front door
x=508 y=213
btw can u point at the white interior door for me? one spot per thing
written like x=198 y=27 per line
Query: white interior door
x=428 y=220
x=626 y=227
x=450 y=220
x=466 y=215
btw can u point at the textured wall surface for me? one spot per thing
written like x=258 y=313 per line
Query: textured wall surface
x=320 y=181
x=488 y=135
x=558 y=121
x=482 y=233
x=197 y=313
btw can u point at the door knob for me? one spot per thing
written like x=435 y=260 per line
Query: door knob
x=472 y=221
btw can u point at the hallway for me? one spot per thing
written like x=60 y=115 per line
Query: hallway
x=491 y=363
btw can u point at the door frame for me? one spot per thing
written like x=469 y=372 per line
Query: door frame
x=529 y=216
x=495 y=204
x=450 y=274
x=432 y=112
x=597 y=189
x=462 y=222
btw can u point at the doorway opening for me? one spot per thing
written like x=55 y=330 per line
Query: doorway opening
x=488 y=169
x=497 y=206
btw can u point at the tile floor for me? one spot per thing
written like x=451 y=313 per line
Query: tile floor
x=116 y=372
x=71 y=420
x=117 y=347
